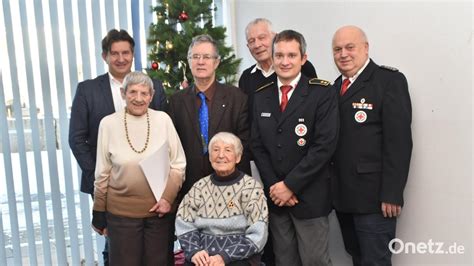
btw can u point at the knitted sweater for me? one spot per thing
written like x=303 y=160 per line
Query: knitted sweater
x=121 y=187
x=229 y=218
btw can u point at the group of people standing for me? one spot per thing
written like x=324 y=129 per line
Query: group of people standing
x=317 y=147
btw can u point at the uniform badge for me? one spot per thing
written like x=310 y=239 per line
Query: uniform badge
x=301 y=142
x=360 y=117
x=301 y=130
x=362 y=105
x=266 y=114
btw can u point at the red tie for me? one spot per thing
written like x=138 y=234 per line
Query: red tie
x=345 y=85
x=284 y=97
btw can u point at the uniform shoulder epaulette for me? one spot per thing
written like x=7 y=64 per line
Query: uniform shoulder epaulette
x=389 y=68
x=322 y=82
x=264 y=86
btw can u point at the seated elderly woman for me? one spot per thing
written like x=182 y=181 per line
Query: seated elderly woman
x=223 y=219
x=125 y=208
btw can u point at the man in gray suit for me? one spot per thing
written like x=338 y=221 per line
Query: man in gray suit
x=99 y=97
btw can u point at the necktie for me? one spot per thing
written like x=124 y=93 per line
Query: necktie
x=204 y=122
x=345 y=85
x=284 y=96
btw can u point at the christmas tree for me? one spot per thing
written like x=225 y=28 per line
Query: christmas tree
x=178 y=21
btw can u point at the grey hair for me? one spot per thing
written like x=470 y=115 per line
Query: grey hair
x=227 y=138
x=290 y=35
x=256 y=21
x=137 y=77
x=203 y=38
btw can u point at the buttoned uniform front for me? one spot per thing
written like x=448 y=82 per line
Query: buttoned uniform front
x=279 y=152
x=92 y=102
x=374 y=149
x=227 y=112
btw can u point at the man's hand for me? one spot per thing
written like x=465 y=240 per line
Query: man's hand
x=216 y=260
x=201 y=258
x=162 y=207
x=391 y=210
x=280 y=193
x=292 y=201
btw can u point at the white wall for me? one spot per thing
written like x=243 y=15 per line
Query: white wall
x=431 y=43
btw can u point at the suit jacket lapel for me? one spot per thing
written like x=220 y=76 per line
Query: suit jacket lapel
x=106 y=93
x=360 y=81
x=273 y=101
x=218 y=108
x=296 y=100
x=189 y=100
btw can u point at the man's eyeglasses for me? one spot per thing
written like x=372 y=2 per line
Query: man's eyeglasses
x=205 y=57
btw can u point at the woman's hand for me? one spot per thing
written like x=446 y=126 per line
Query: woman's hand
x=216 y=260
x=162 y=207
x=100 y=231
x=99 y=222
x=201 y=258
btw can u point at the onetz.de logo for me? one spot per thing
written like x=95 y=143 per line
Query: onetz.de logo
x=398 y=246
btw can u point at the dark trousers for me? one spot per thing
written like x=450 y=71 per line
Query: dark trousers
x=268 y=257
x=300 y=242
x=138 y=241
x=366 y=237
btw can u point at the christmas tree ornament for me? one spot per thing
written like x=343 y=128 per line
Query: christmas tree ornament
x=155 y=66
x=183 y=16
x=168 y=45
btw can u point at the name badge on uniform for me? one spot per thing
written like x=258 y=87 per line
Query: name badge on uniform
x=266 y=114
x=362 y=105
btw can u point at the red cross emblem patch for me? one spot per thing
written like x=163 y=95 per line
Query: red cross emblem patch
x=301 y=130
x=360 y=117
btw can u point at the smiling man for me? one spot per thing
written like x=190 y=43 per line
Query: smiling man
x=294 y=135
x=374 y=149
x=259 y=35
x=99 y=97
x=206 y=108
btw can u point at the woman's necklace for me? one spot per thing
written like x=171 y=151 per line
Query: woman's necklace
x=147 y=132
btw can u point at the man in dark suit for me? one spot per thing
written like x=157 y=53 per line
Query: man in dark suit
x=294 y=135
x=374 y=149
x=259 y=36
x=225 y=110
x=100 y=97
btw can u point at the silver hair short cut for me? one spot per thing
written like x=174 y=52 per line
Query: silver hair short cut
x=227 y=138
x=290 y=35
x=204 y=38
x=137 y=77
x=257 y=21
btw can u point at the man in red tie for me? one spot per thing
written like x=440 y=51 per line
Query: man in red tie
x=294 y=135
x=374 y=148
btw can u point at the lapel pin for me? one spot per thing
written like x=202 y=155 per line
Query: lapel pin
x=301 y=130
x=360 y=117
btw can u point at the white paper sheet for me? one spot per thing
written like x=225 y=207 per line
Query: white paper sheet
x=156 y=168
